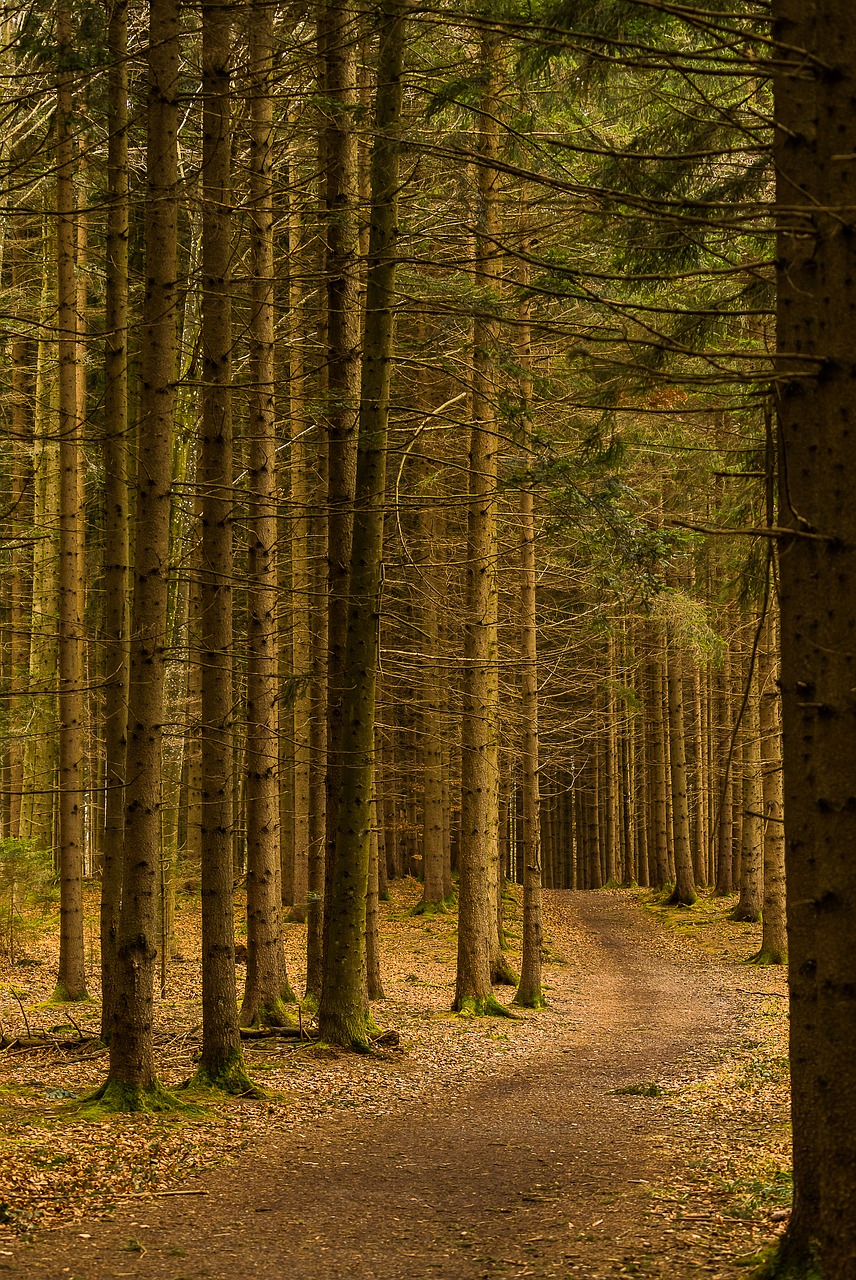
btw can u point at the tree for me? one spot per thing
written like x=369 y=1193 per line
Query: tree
x=816 y=347
x=221 y=1063
x=343 y=1015
x=266 y=984
x=132 y=1082
x=71 y=979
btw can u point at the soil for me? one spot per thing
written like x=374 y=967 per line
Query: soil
x=620 y=1146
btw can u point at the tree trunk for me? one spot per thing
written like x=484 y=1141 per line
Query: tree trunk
x=530 y=992
x=221 y=1063
x=71 y=978
x=266 y=982
x=132 y=1084
x=480 y=725
x=684 y=893
x=751 y=898
x=816 y=340
x=343 y=1015
x=774 y=941
x=116 y=514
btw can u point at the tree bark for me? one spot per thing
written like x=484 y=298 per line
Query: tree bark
x=221 y=1062
x=132 y=1084
x=343 y=1014
x=684 y=893
x=71 y=978
x=116 y=514
x=266 y=983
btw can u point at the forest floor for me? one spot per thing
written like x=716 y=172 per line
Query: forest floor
x=637 y=1127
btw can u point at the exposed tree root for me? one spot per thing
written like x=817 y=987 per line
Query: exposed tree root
x=678 y=899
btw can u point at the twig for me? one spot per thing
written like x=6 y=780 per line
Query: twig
x=23 y=1011
x=780 y=995
x=88 y=1035
x=201 y=1192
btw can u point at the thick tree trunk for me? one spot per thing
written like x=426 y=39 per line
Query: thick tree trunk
x=816 y=339
x=343 y=1014
x=131 y=1082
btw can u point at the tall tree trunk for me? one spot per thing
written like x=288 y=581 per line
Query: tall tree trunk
x=480 y=724
x=116 y=515
x=221 y=1063
x=71 y=978
x=343 y=1014
x=131 y=1083
x=530 y=992
x=815 y=57
x=337 y=39
x=266 y=982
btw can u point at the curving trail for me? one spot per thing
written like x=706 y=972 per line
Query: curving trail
x=541 y=1172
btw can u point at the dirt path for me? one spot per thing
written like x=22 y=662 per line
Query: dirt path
x=542 y=1172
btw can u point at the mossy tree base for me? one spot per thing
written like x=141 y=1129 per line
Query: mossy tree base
x=62 y=995
x=230 y=1078
x=348 y=1031
x=677 y=898
x=768 y=956
x=442 y=907
x=481 y=1007
x=115 y=1096
x=785 y=1262
x=273 y=1014
x=741 y=916
x=526 y=1000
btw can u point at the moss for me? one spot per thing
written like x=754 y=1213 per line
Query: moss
x=535 y=1001
x=274 y=1014
x=423 y=908
x=678 y=899
x=62 y=995
x=117 y=1097
x=228 y=1077
x=478 y=1007
x=347 y=1030
x=741 y=916
x=768 y=956
x=786 y=1262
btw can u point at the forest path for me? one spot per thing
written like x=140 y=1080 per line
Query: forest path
x=543 y=1171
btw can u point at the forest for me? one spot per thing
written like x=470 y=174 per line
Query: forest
x=427 y=560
